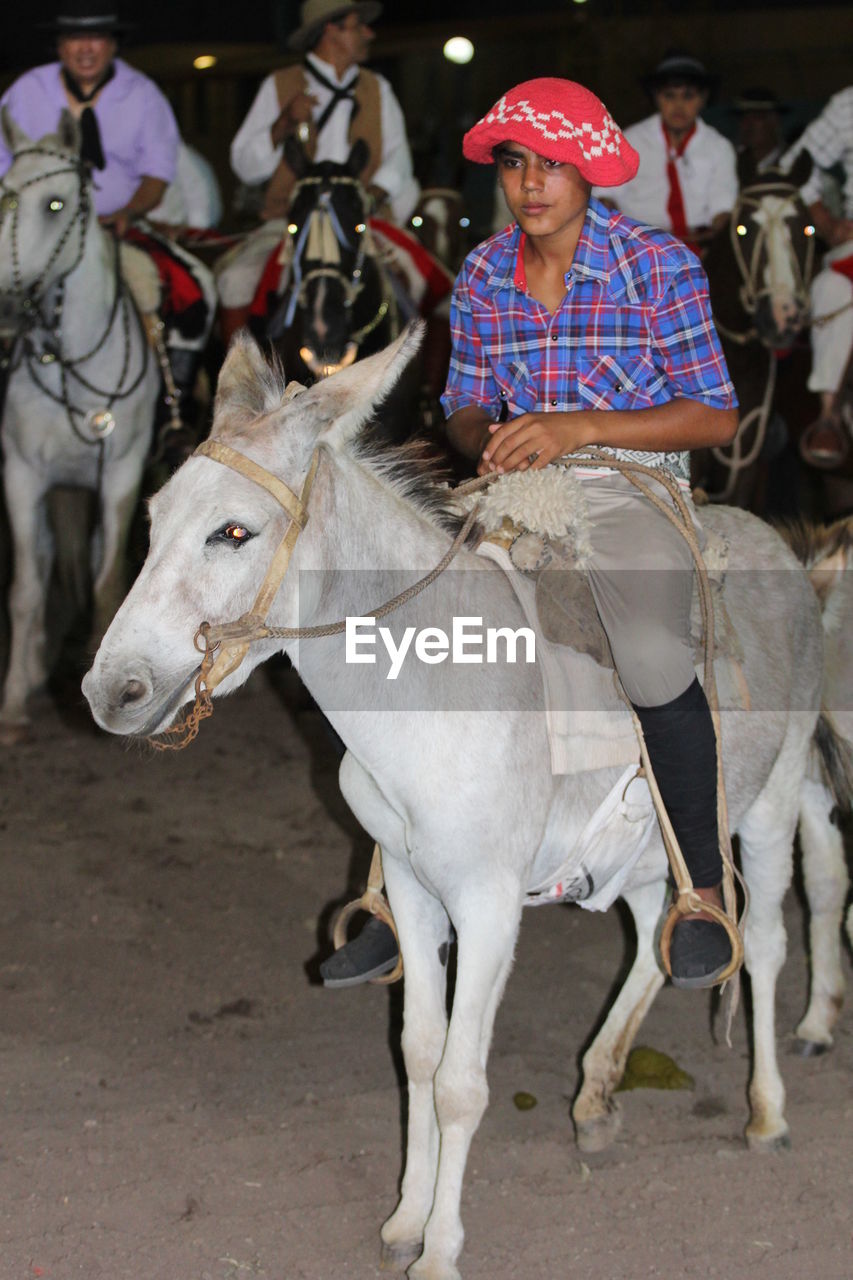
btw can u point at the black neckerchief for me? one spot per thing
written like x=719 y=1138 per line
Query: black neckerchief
x=90 y=136
x=338 y=95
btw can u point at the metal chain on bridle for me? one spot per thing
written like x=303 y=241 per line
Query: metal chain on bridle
x=33 y=301
x=750 y=294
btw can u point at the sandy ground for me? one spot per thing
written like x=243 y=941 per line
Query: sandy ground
x=181 y=1101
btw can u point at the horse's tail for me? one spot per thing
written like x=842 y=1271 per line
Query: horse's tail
x=826 y=551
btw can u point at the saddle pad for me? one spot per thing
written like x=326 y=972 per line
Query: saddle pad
x=607 y=850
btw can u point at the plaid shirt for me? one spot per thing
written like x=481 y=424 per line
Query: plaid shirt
x=633 y=331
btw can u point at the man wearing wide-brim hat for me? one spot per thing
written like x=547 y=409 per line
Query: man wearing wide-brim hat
x=129 y=140
x=687 y=179
x=130 y=136
x=330 y=101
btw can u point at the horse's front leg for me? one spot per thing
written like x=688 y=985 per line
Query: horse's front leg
x=826 y=881
x=32 y=554
x=486 y=916
x=766 y=843
x=424 y=931
x=595 y=1113
x=119 y=495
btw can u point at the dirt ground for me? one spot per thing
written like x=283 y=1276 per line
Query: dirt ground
x=181 y=1101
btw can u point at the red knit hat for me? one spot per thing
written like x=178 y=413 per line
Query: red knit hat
x=560 y=120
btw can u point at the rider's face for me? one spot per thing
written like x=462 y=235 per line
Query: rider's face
x=679 y=105
x=86 y=56
x=352 y=38
x=544 y=196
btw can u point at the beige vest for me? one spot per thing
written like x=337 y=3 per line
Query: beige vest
x=366 y=124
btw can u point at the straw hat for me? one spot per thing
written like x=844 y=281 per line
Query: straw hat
x=316 y=13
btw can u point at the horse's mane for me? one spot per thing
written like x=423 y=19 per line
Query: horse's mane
x=812 y=543
x=413 y=471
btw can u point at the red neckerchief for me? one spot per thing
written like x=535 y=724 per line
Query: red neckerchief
x=675 y=203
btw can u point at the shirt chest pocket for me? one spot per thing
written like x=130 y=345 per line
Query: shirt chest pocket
x=621 y=381
x=516 y=387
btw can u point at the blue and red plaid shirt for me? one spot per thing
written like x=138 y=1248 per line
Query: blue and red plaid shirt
x=633 y=331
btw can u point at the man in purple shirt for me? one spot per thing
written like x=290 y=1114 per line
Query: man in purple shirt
x=129 y=137
x=577 y=328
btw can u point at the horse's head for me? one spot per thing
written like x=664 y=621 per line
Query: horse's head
x=222 y=534
x=45 y=209
x=771 y=238
x=329 y=266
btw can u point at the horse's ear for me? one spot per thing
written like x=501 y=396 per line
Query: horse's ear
x=13 y=134
x=358 y=158
x=294 y=154
x=347 y=399
x=747 y=169
x=247 y=386
x=800 y=170
x=69 y=132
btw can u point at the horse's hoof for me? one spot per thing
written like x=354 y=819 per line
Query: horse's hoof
x=422 y=1270
x=599 y=1133
x=398 y=1257
x=14 y=734
x=768 y=1145
x=808 y=1048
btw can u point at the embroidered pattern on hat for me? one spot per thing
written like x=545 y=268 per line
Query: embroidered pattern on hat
x=554 y=126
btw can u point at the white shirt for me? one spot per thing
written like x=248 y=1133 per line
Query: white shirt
x=254 y=159
x=193 y=199
x=707 y=174
x=829 y=141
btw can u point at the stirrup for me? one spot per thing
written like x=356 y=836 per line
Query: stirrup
x=374 y=902
x=685 y=904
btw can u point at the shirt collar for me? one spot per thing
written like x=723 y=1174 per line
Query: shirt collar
x=591 y=260
x=326 y=69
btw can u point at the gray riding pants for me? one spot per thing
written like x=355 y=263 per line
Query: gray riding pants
x=641 y=575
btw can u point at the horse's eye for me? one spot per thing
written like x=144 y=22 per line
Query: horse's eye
x=292 y=228
x=417 y=220
x=808 y=230
x=361 y=227
x=741 y=229
x=233 y=533
x=55 y=205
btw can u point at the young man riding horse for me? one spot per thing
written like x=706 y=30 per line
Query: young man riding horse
x=577 y=327
x=329 y=101
x=130 y=141
x=687 y=180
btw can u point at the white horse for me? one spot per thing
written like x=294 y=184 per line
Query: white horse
x=458 y=791
x=82 y=387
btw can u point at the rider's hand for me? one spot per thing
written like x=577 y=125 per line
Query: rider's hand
x=533 y=440
x=299 y=110
x=118 y=222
